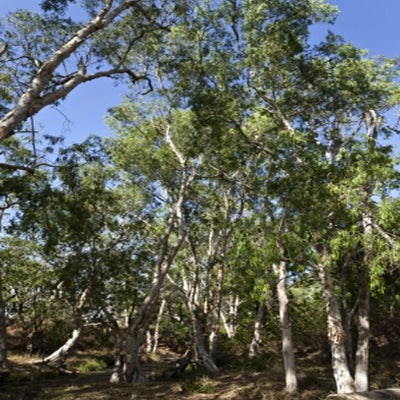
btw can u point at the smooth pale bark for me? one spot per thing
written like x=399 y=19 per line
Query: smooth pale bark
x=149 y=341
x=36 y=96
x=156 y=336
x=230 y=322
x=336 y=335
x=216 y=314
x=373 y=124
x=117 y=373
x=363 y=330
x=287 y=337
x=256 y=342
x=363 y=320
x=61 y=354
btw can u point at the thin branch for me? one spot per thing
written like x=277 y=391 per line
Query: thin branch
x=14 y=167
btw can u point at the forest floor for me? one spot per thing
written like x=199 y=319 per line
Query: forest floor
x=239 y=379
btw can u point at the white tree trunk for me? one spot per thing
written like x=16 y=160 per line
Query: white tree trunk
x=116 y=375
x=363 y=322
x=256 y=342
x=230 y=322
x=37 y=96
x=61 y=354
x=336 y=335
x=287 y=337
x=216 y=314
x=157 y=327
x=362 y=353
x=149 y=341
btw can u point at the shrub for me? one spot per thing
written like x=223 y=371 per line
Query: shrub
x=90 y=365
x=202 y=384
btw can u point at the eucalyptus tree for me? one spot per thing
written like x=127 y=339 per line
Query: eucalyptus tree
x=149 y=153
x=324 y=181
x=80 y=225
x=43 y=57
x=17 y=184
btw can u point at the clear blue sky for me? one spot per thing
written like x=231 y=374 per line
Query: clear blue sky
x=369 y=24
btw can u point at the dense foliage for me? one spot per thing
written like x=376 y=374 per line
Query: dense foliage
x=248 y=171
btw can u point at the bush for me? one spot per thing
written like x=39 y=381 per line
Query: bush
x=202 y=384
x=90 y=365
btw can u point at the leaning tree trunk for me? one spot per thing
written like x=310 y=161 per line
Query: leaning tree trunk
x=137 y=330
x=336 y=335
x=287 y=337
x=167 y=253
x=136 y=334
x=255 y=344
x=60 y=355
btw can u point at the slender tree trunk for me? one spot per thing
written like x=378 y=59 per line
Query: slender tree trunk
x=287 y=337
x=230 y=322
x=149 y=341
x=3 y=331
x=117 y=371
x=255 y=344
x=216 y=315
x=138 y=326
x=362 y=353
x=363 y=321
x=157 y=327
x=336 y=335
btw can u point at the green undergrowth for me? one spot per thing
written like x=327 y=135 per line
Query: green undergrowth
x=200 y=384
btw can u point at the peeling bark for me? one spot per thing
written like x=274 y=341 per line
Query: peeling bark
x=336 y=336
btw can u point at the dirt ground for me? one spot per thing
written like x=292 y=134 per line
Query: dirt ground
x=260 y=379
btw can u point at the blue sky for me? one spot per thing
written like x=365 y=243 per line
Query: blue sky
x=369 y=24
